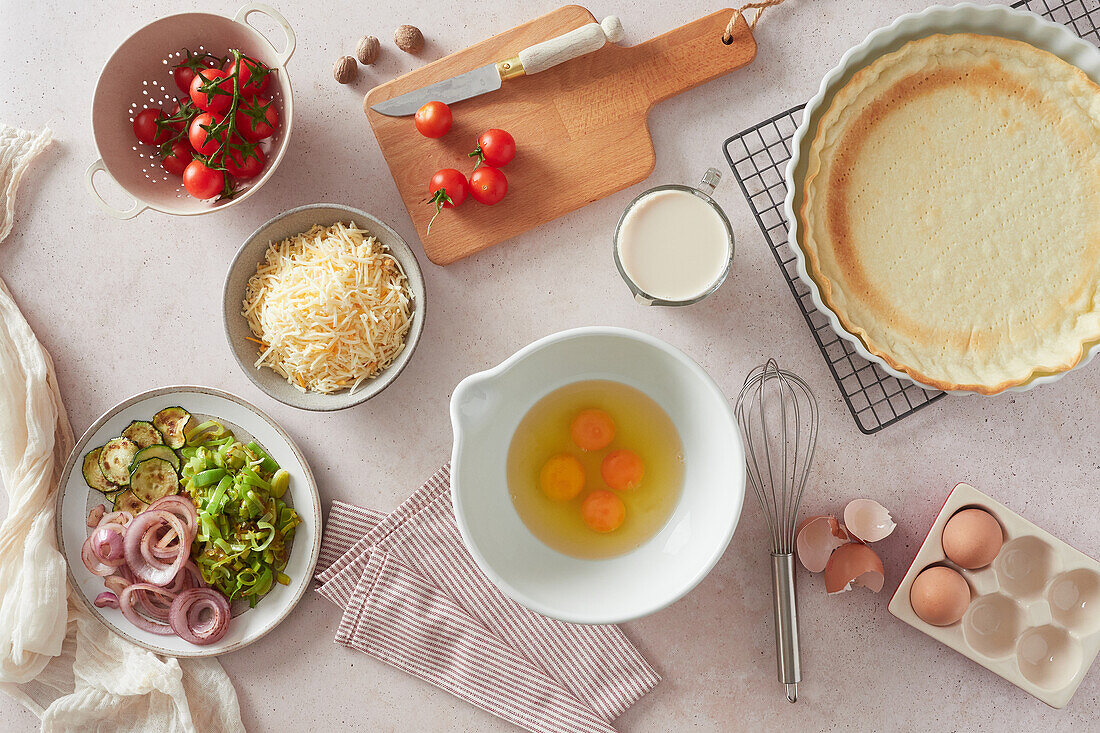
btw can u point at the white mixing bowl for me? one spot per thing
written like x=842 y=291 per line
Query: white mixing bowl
x=487 y=407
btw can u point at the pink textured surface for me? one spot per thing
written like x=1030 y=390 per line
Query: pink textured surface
x=101 y=294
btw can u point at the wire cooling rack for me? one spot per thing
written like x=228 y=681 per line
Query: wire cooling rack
x=758 y=157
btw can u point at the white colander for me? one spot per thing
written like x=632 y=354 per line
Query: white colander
x=139 y=75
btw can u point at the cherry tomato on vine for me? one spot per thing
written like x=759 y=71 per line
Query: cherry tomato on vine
x=207 y=96
x=201 y=181
x=245 y=162
x=257 y=119
x=451 y=187
x=202 y=139
x=495 y=147
x=147 y=130
x=448 y=189
x=184 y=72
x=183 y=76
x=488 y=185
x=253 y=76
x=178 y=158
x=433 y=119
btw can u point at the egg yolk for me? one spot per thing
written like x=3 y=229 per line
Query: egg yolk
x=562 y=477
x=603 y=511
x=622 y=469
x=592 y=429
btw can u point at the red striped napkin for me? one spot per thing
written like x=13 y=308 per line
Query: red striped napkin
x=413 y=597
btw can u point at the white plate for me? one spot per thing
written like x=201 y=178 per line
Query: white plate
x=75 y=499
x=994 y=20
x=487 y=407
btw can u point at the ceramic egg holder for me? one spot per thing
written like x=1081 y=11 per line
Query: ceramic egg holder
x=1034 y=614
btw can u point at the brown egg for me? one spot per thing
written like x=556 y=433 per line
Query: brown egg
x=939 y=595
x=972 y=538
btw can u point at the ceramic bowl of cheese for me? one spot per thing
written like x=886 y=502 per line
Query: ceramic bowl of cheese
x=487 y=408
x=944 y=203
x=243 y=341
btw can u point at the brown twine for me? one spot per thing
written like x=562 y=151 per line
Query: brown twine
x=760 y=7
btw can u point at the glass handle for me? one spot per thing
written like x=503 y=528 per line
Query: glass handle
x=710 y=181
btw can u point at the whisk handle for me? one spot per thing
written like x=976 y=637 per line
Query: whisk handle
x=786 y=624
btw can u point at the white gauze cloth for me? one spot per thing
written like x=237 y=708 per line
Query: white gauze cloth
x=55 y=657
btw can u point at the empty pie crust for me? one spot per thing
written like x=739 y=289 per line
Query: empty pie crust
x=951 y=211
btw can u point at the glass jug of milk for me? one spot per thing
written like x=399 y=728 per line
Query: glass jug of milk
x=674 y=244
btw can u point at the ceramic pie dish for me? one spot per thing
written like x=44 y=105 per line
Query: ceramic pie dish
x=75 y=499
x=899 y=350
x=486 y=409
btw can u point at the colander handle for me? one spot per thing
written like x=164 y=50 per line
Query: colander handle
x=247 y=10
x=130 y=213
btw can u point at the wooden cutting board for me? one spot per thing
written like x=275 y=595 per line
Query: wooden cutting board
x=581 y=128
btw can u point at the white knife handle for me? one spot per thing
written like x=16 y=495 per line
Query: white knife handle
x=578 y=42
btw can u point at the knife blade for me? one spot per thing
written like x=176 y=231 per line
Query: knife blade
x=489 y=78
x=448 y=91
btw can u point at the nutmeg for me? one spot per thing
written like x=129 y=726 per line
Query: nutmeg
x=345 y=70
x=367 y=50
x=409 y=38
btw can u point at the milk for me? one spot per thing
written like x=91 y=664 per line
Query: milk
x=673 y=245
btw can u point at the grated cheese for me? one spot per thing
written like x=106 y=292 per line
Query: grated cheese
x=330 y=308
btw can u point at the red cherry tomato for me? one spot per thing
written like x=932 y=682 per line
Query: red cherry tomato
x=246 y=162
x=178 y=158
x=203 y=182
x=451 y=186
x=202 y=139
x=488 y=185
x=433 y=119
x=147 y=130
x=213 y=99
x=495 y=147
x=183 y=76
x=184 y=72
x=257 y=119
x=449 y=189
x=253 y=77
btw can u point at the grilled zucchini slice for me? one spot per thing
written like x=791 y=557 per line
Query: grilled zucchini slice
x=127 y=502
x=93 y=474
x=172 y=424
x=153 y=479
x=156 y=451
x=115 y=459
x=143 y=433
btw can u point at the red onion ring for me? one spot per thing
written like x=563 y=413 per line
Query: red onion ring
x=138 y=555
x=95 y=515
x=167 y=544
x=92 y=561
x=117 y=583
x=119 y=517
x=182 y=507
x=147 y=568
x=154 y=605
x=186 y=617
x=126 y=605
x=161 y=544
x=107 y=544
x=189 y=577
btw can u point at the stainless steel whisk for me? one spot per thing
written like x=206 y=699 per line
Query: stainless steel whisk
x=777 y=412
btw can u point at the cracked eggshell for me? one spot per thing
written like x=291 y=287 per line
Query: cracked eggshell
x=868 y=520
x=854 y=564
x=815 y=540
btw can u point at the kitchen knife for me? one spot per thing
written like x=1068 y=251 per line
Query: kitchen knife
x=540 y=57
